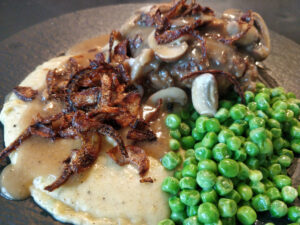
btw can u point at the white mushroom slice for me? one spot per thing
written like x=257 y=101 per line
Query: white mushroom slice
x=167 y=52
x=171 y=94
x=138 y=64
x=205 y=94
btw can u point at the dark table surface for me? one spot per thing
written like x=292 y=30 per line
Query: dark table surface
x=282 y=16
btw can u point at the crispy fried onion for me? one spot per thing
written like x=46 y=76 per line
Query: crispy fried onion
x=26 y=94
x=136 y=156
x=141 y=131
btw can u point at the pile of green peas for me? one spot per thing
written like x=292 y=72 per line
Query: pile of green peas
x=234 y=164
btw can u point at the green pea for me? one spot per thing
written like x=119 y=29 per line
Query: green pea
x=251 y=148
x=223 y=186
x=261 y=114
x=252 y=163
x=261 y=203
x=212 y=125
x=252 y=106
x=279 y=115
x=249 y=96
x=222 y=114
x=240 y=155
x=273 y=123
x=289 y=115
x=206 y=179
x=175 y=134
x=279 y=105
x=243 y=171
x=238 y=112
x=190 y=160
x=191 y=124
x=207 y=164
x=184 y=114
x=246 y=215
x=284 y=161
x=294 y=213
x=178 y=217
x=289 y=194
x=276 y=132
x=264 y=172
x=255 y=175
x=198 y=145
x=278 y=209
x=184 y=129
x=237 y=128
x=190 y=197
x=256 y=122
x=228 y=168
x=220 y=152
x=173 y=121
x=194 y=116
x=273 y=193
x=189 y=153
x=266 y=147
x=262 y=104
x=178 y=174
x=233 y=143
x=295 y=145
x=226 y=104
x=166 y=222
x=295 y=132
x=275 y=169
x=257 y=187
x=174 y=144
x=282 y=181
x=245 y=191
x=268 y=184
x=197 y=135
x=203 y=153
x=187 y=142
x=290 y=95
x=234 y=195
x=189 y=170
x=171 y=160
x=175 y=204
x=229 y=221
x=258 y=135
x=170 y=185
x=209 y=196
x=191 y=221
x=188 y=183
x=227 y=207
x=224 y=135
x=208 y=213
x=210 y=139
x=192 y=210
x=278 y=91
x=200 y=124
x=295 y=108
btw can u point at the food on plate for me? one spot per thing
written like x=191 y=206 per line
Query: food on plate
x=87 y=133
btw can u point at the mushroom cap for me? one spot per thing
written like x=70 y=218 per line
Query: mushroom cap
x=171 y=94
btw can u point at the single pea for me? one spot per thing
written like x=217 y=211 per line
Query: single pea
x=223 y=186
x=289 y=194
x=243 y=171
x=261 y=203
x=278 y=209
x=166 y=222
x=222 y=114
x=198 y=145
x=190 y=197
x=209 y=196
x=200 y=124
x=276 y=132
x=268 y=184
x=237 y=128
x=284 y=161
x=178 y=217
x=191 y=124
x=257 y=187
x=289 y=115
x=275 y=169
x=251 y=148
x=171 y=160
x=252 y=106
x=191 y=221
x=294 y=213
x=189 y=153
x=246 y=215
x=266 y=147
x=187 y=183
x=282 y=181
x=189 y=170
x=279 y=115
x=258 y=135
x=175 y=134
x=173 y=121
x=206 y=179
x=273 y=123
x=255 y=175
x=187 y=142
x=174 y=144
x=210 y=139
x=228 y=168
x=295 y=145
x=273 y=193
x=278 y=143
x=170 y=185
x=226 y=104
x=295 y=132
x=290 y=95
x=227 y=207
x=240 y=155
x=224 y=135
x=190 y=160
x=252 y=163
x=175 y=204
x=256 y=122
x=277 y=91
x=184 y=114
x=262 y=104
x=279 y=105
x=234 y=195
x=208 y=213
x=192 y=210
x=264 y=172
x=233 y=143
x=245 y=191
x=197 y=135
x=238 y=112
x=261 y=114
x=207 y=164
x=212 y=125
x=295 y=108
x=184 y=129
x=249 y=96
x=220 y=152
x=203 y=153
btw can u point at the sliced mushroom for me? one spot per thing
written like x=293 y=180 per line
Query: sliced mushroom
x=205 y=94
x=171 y=94
x=167 y=52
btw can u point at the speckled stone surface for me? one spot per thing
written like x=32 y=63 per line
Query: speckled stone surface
x=22 y=52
